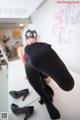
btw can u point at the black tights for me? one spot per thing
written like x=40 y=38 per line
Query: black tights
x=34 y=78
x=37 y=83
x=47 y=62
x=54 y=67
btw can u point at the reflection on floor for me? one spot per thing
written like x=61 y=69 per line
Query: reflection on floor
x=68 y=103
x=3 y=89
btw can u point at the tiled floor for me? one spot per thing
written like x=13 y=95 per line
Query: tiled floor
x=68 y=103
x=3 y=90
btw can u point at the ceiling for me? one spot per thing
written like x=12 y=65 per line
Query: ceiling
x=16 y=11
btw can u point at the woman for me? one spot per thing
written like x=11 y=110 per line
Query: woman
x=42 y=61
x=36 y=78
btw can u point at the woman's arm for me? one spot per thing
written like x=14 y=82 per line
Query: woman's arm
x=21 y=54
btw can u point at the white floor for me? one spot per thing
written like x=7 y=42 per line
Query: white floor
x=3 y=90
x=68 y=103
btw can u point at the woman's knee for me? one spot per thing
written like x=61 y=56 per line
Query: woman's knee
x=68 y=84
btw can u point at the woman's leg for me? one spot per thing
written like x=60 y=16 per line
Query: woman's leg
x=53 y=66
x=47 y=88
x=49 y=91
x=34 y=79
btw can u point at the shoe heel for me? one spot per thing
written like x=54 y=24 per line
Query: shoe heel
x=29 y=113
x=25 y=94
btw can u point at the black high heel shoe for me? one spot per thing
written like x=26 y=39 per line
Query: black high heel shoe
x=49 y=92
x=28 y=111
x=18 y=94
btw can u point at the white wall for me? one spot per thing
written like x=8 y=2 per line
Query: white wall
x=59 y=25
